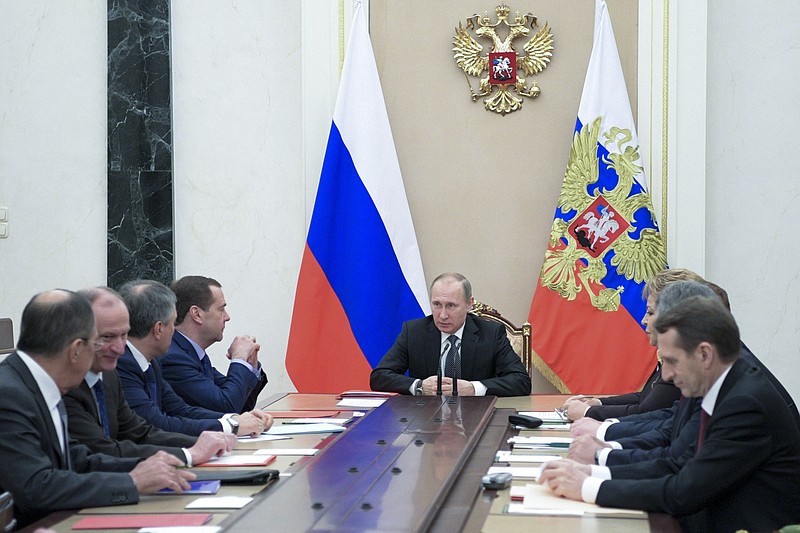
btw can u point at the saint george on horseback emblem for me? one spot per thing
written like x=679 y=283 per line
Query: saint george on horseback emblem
x=502 y=61
x=604 y=228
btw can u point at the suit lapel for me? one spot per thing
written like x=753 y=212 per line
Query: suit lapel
x=469 y=345
x=44 y=413
x=433 y=343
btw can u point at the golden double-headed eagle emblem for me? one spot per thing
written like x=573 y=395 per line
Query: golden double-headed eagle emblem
x=502 y=62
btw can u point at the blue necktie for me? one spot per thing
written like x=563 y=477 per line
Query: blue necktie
x=206 y=362
x=62 y=411
x=150 y=377
x=100 y=396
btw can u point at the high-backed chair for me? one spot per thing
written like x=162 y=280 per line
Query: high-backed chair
x=6 y=336
x=7 y=521
x=520 y=339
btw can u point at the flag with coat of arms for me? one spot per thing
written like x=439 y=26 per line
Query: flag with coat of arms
x=604 y=244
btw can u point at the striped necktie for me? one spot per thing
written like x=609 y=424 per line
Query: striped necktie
x=62 y=412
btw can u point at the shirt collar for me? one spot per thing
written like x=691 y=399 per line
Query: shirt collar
x=458 y=333
x=144 y=364
x=198 y=351
x=46 y=384
x=92 y=378
x=710 y=399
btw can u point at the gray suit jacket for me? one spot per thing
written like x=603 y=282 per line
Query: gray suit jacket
x=32 y=466
x=486 y=356
x=130 y=434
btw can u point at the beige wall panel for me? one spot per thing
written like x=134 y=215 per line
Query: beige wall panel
x=483 y=187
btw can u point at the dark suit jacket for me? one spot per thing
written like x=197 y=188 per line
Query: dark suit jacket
x=486 y=356
x=746 y=476
x=32 y=466
x=200 y=384
x=130 y=435
x=167 y=410
x=656 y=394
x=671 y=439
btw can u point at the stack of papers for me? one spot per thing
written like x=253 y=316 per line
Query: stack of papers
x=518 y=472
x=509 y=457
x=301 y=429
x=240 y=460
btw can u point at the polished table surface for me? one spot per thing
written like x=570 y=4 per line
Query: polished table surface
x=462 y=501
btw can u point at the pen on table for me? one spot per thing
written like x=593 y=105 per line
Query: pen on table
x=561 y=413
x=558 y=444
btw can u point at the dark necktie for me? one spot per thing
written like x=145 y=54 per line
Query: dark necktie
x=452 y=363
x=702 y=434
x=62 y=411
x=100 y=396
x=150 y=378
x=206 y=362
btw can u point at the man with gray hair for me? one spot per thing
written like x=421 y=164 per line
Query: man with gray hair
x=38 y=464
x=152 y=322
x=99 y=415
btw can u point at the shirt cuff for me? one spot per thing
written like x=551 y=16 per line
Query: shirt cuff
x=413 y=388
x=590 y=488
x=480 y=388
x=247 y=365
x=226 y=426
x=614 y=445
x=601 y=472
x=188 y=455
x=602 y=456
x=601 y=431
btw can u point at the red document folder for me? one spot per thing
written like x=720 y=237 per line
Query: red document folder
x=135 y=521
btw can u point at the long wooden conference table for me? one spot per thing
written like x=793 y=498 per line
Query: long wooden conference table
x=412 y=464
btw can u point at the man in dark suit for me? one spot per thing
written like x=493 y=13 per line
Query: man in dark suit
x=746 y=470
x=202 y=315
x=38 y=464
x=99 y=415
x=151 y=306
x=470 y=352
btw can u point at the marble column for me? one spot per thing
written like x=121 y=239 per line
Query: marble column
x=140 y=236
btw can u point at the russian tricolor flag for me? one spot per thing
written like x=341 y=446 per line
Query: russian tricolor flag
x=361 y=276
x=604 y=244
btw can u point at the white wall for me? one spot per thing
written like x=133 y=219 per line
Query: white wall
x=52 y=147
x=753 y=185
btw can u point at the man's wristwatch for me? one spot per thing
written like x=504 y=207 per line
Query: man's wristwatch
x=234 y=422
x=418 y=389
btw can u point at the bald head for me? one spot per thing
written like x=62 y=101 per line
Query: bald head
x=52 y=320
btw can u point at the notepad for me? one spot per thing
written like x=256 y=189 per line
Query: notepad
x=509 y=457
x=299 y=414
x=287 y=451
x=518 y=472
x=135 y=521
x=541 y=500
x=240 y=460
x=361 y=403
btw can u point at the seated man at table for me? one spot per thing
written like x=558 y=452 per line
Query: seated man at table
x=151 y=307
x=642 y=437
x=472 y=355
x=202 y=314
x=746 y=470
x=99 y=416
x=39 y=465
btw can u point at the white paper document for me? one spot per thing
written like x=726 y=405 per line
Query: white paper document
x=286 y=451
x=339 y=421
x=301 y=429
x=263 y=438
x=517 y=472
x=541 y=500
x=361 y=403
x=509 y=457
x=220 y=502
